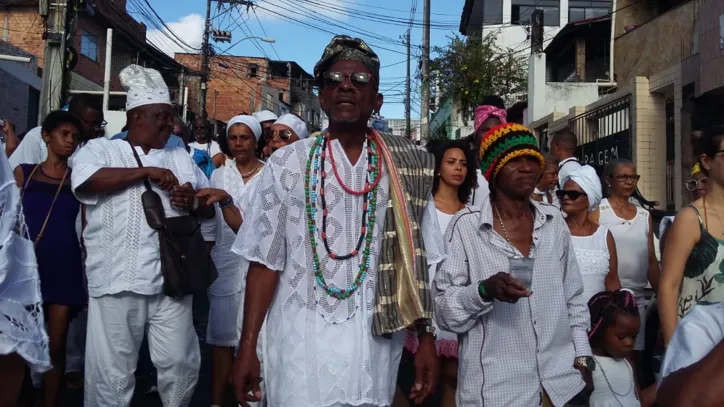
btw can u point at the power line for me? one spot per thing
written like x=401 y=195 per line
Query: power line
x=265 y=34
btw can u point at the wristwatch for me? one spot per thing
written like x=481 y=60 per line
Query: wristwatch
x=425 y=329
x=481 y=292
x=585 y=362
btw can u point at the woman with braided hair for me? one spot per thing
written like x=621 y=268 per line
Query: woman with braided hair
x=615 y=323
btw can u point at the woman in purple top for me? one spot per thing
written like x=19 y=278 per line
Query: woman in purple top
x=51 y=211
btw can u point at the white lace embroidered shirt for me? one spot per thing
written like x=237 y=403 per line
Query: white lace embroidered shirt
x=593 y=261
x=123 y=251
x=509 y=353
x=323 y=354
x=231 y=267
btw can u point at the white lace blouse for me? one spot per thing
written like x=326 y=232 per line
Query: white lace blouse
x=593 y=261
x=22 y=326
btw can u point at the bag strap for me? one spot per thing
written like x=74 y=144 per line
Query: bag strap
x=52 y=204
x=140 y=165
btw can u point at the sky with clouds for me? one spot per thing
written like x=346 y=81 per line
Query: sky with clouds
x=302 y=28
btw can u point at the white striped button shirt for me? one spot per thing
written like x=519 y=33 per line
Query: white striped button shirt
x=510 y=353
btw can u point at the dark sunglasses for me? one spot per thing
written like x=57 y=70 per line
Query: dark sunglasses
x=573 y=195
x=358 y=79
x=200 y=127
x=284 y=135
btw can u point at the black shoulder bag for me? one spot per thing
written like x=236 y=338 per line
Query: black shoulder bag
x=185 y=263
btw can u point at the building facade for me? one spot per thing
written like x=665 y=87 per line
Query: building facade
x=509 y=20
x=23 y=27
x=239 y=84
x=668 y=60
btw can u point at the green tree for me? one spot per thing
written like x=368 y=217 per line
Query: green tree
x=468 y=70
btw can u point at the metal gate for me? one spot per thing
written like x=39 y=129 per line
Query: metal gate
x=604 y=133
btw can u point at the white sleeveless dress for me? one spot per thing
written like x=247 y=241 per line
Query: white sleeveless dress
x=593 y=261
x=632 y=247
x=614 y=384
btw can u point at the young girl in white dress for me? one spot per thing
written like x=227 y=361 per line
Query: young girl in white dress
x=615 y=323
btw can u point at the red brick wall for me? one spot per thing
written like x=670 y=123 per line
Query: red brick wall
x=25 y=30
x=232 y=86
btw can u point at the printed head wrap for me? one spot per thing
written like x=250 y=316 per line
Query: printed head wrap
x=144 y=86
x=588 y=180
x=504 y=143
x=695 y=169
x=295 y=123
x=345 y=48
x=265 y=116
x=249 y=121
x=483 y=112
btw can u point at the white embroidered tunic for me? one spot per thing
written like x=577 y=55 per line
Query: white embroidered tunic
x=232 y=268
x=123 y=251
x=321 y=351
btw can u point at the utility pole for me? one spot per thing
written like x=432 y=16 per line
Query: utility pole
x=222 y=36
x=205 y=59
x=408 y=129
x=425 y=91
x=55 y=55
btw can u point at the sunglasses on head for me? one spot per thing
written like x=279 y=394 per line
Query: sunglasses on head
x=284 y=135
x=358 y=79
x=573 y=195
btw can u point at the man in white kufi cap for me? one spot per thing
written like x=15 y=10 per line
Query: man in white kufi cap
x=123 y=266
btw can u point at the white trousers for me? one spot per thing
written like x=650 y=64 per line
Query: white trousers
x=116 y=324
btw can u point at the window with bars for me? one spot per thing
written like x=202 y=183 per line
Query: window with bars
x=670 y=155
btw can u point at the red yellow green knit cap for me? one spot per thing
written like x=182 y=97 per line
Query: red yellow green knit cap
x=504 y=143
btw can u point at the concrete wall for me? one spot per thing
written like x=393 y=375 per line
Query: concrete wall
x=515 y=37
x=648 y=126
x=561 y=96
x=711 y=56
x=655 y=45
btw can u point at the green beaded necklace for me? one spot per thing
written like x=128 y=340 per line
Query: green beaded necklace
x=310 y=184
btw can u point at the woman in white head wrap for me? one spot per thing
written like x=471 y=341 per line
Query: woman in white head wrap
x=286 y=130
x=231 y=185
x=594 y=245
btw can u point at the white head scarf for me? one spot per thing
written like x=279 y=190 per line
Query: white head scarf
x=144 y=86
x=265 y=116
x=294 y=123
x=588 y=180
x=250 y=121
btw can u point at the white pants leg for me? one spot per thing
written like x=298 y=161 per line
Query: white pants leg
x=75 y=350
x=116 y=326
x=114 y=334
x=174 y=349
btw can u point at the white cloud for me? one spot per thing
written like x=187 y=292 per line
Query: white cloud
x=189 y=29
x=274 y=10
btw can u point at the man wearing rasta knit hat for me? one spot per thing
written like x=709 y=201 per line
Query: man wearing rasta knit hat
x=511 y=286
x=340 y=240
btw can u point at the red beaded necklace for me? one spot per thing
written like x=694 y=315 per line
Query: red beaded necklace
x=368 y=187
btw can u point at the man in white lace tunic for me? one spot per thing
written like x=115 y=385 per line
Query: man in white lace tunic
x=360 y=216
x=123 y=264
